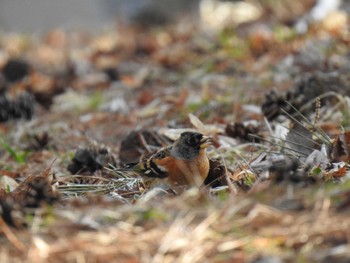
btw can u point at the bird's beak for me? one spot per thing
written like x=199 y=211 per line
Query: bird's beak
x=206 y=141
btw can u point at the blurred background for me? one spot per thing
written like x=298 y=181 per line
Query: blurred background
x=38 y=16
x=41 y=15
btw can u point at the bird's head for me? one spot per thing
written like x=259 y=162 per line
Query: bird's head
x=189 y=144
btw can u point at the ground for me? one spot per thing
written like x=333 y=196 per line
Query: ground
x=75 y=107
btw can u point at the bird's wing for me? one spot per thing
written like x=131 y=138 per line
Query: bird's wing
x=150 y=166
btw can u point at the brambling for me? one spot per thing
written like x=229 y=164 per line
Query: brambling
x=184 y=163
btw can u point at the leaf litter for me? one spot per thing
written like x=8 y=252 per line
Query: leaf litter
x=76 y=108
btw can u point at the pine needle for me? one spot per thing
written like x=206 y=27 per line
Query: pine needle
x=282 y=146
x=295 y=143
x=321 y=132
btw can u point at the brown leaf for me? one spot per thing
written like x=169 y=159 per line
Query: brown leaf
x=340 y=149
x=13 y=175
x=216 y=176
x=337 y=172
x=35 y=190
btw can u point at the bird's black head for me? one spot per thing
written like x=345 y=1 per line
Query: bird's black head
x=191 y=139
x=188 y=145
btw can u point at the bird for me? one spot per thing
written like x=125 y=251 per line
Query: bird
x=184 y=163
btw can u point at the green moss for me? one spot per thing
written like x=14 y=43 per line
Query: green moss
x=316 y=171
x=95 y=100
x=18 y=155
x=154 y=214
x=195 y=106
x=249 y=179
x=284 y=34
x=235 y=46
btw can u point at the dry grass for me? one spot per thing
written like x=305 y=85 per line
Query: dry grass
x=191 y=227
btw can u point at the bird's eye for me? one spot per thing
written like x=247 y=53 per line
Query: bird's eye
x=192 y=141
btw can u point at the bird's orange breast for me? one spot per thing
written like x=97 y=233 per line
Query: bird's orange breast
x=186 y=172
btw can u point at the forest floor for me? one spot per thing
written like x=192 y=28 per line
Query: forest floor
x=76 y=106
